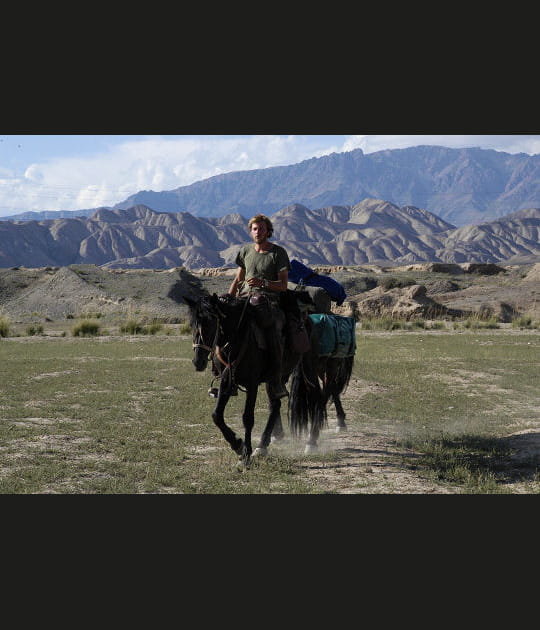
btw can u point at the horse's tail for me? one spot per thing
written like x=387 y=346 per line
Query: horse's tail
x=306 y=407
x=343 y=374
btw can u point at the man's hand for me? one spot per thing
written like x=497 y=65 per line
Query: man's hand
x=256 y=282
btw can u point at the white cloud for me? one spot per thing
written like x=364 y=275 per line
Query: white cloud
x=33 y=173
x=6 y=173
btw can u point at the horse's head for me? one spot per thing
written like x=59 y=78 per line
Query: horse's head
x=204 y=319
x=214 y=321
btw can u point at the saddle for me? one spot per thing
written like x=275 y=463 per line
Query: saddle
x=293 y=305
x=262 y=309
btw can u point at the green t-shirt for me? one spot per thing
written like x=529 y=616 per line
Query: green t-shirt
x=264 y=265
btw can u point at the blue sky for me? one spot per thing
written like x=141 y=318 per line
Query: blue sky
x=73 y=172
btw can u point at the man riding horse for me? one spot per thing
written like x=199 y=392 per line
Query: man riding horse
x=245 y=339
x=262 y=276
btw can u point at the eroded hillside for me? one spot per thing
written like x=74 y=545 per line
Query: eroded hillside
x=434 y=290
x=370 y=232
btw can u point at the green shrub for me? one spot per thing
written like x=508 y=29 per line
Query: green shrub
x=386 y=323
x=359 y=285
x=485 y=312
x=86 y=328
x=154 y=328
x=4 y=326
x=133 y=327
x=523 y=321
x=185 y=329
x=437 y=326
x=34 y=330
x=396 y=283
x=475 y=323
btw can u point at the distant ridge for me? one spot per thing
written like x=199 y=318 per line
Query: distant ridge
x=49 y=214
x=371 y=231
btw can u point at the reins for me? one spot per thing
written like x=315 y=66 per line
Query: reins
x=210 y=349
x=243 y=347
x=214 y=350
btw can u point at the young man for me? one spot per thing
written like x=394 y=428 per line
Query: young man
x=264 y=267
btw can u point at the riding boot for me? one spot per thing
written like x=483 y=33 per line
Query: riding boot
x=228 y=386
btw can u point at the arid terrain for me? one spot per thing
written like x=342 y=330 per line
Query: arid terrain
x=370 y=461
x=52 y=295
x=366 y=458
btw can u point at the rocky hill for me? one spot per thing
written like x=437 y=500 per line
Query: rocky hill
x=59 y=293
x=55 y=296
x=372 y=231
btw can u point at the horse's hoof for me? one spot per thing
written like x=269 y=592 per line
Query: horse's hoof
x=260 y=451
x=310 y=449
x=340 y=429
x=243 y=464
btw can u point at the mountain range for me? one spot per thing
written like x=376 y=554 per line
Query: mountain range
x=461 y=186
x=371 y=231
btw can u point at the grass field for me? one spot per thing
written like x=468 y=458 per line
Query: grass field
x=129 y=414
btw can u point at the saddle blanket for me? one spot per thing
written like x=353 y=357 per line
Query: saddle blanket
x=337 y=334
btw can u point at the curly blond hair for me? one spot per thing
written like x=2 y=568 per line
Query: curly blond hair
x=260 y=218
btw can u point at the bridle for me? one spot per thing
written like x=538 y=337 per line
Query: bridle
x=209 y=348
x=214 y=349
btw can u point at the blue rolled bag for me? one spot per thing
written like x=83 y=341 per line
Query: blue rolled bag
x=304 y=276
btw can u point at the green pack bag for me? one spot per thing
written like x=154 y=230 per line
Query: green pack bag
x=337 y=334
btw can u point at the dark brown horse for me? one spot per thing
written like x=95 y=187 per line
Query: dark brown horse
x=225 y=333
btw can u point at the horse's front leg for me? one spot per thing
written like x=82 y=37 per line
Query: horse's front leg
x=274 y=405
x=218 y=416
x=271 y=429
x=248 y=420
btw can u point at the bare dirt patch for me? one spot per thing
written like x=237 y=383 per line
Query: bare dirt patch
x=369 y=460
x=368 y=464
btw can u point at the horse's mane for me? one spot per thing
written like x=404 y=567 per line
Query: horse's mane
x=201 y=309
x=230 y=310
x=236 y=314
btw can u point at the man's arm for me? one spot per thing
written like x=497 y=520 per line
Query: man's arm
x=240 y=277
x=281 y=283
